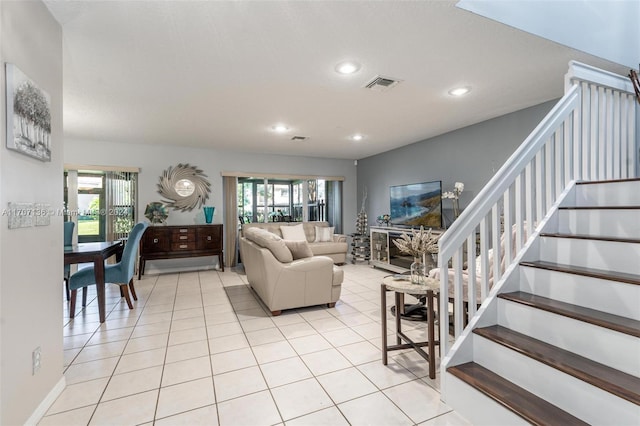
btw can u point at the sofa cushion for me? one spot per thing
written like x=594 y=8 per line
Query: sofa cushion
x=299 y=249
x=324 y=234
x=272 y=242
x=320 y=249
x=293 y=233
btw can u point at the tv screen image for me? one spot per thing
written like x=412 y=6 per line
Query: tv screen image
x=417 y=204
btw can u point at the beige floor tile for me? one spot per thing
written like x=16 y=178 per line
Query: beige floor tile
x=220 y=317
x=257 y=324
x=140 y=360
x=69 y=355
x=183 y=371
x=328 y=324
x=329 y=416
x=204 y=416
x=346 y=384
x=105 y=350
x=326 y=361
x=298 y=329
x=232 y=360
x=226 y=329
x=227 y=343
x=342 y=337
x=300 y=398
x=187 y=323
x=77 y=417
x=161 y=327
x=273 y=352
x=186 y=336
x=385 y=376
x=185 y=396
x=150 y=318
x=238 y=383
x=108 y=336
x=287 y=318
x=285 y=371
x=133 y=382
x=361 y=352
x=76 y=373
x=188 y=313
x=187 y=351
x=417 y=400
x=134 y=409
x=79 y=395
x=449 y=419
x=308 y=344
x=76 y=341
x=146 y=343
x=261 y=337
x=374 y=409
x=263 y=411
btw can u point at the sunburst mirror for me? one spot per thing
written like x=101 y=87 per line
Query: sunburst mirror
x=185 y=187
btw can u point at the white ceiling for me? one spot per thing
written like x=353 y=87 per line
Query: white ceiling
x=220 y=74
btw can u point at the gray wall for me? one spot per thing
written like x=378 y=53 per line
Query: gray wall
x=153 y=160
x=470 y=155
x=30 y=258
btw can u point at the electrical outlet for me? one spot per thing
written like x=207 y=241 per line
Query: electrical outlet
x=35 y=360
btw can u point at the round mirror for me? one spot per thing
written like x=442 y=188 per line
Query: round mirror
x=185 y=187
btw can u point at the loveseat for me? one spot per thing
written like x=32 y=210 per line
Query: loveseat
x=332 y=245
x=285 y=273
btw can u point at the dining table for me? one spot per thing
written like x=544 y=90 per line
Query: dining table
x=97 y=253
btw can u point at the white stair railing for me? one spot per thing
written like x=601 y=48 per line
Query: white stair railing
x=590 y=134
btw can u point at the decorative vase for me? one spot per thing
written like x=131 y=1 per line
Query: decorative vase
x=417 y=271
x=208 y=213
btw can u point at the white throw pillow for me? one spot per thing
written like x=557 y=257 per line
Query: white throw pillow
x=324 y=234
x=299 y=249
x=293 y=233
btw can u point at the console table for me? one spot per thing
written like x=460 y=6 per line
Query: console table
x=173 y=242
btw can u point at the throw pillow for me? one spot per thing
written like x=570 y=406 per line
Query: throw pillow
x=299 y=249
x=270 y=241
x=324 y=234
x=293 y=233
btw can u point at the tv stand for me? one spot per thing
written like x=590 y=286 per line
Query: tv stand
x=385 y=255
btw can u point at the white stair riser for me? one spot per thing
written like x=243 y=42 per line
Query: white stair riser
x=478 y=408
x=589 y=403
x=606 y=255
x=600 y=222
x=617 y=350
x=608 y=194
x=607 y=296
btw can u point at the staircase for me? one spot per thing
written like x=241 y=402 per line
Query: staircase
x=565 y=348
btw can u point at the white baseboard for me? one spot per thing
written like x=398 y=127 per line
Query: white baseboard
x=46 y=403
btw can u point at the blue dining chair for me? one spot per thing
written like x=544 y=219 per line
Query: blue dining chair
x=120 y=273
x=68 y=240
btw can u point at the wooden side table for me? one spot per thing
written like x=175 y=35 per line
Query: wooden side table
x=401 y=287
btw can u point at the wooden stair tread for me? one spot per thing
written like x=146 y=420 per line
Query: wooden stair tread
x=521 y=402
x=589 y=237
x=588 y=272
x=604 y=377
x=602 y=319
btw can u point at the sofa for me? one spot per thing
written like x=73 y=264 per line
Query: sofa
x=285 y=274
x=335 y=246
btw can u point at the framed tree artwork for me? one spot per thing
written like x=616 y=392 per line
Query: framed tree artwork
x=28 y=115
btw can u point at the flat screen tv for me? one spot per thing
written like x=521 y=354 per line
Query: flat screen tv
x=417 y=204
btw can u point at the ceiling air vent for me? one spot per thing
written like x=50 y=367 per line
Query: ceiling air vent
x=381 y=83
x=299 y=138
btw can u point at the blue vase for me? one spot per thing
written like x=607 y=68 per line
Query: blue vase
x=208 y=213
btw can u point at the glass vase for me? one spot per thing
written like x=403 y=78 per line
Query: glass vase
x=208 y=213
x=417 y=271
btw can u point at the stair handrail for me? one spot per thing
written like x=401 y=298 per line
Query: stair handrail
x=522 y=190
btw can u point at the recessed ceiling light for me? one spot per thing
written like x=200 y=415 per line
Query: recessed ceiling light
x=460 y=91
x=357 y=137
x=280 y=128
x=347 y=67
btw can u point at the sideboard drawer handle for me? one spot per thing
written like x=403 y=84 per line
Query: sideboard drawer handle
x=184 y=230
x=183 y=237
x=155 y=240
x=184 y=246
x=208 y=237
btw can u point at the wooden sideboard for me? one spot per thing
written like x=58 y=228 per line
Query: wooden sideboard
x=172 y=242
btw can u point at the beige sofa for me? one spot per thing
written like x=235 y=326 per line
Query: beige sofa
x=283 y=282
x=336 y=249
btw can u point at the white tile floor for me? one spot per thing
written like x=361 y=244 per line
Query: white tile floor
x=198 y=348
